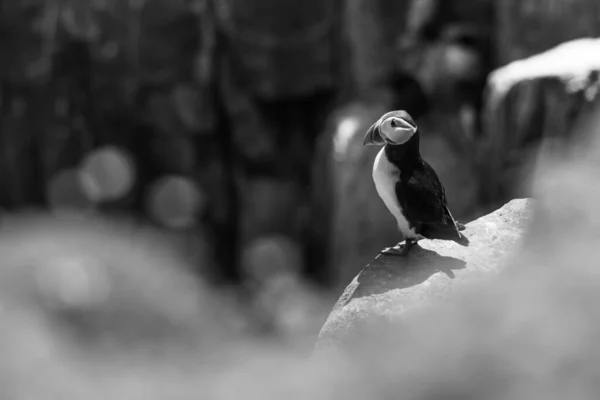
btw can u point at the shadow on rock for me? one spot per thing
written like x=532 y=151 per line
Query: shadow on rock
x=392 y=286
x=390 y=272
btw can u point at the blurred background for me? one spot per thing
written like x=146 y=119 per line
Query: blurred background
x=228 y=134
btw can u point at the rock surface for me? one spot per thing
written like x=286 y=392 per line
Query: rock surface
x=391 y=285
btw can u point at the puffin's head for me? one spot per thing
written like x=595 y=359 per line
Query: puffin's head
x=394 y=128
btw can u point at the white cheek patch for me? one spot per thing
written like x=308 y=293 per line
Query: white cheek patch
x=401 y=135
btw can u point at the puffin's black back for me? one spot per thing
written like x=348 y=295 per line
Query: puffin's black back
x=421 y=194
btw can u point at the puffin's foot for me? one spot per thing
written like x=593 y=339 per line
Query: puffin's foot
x=400 y=250
x=461 y=227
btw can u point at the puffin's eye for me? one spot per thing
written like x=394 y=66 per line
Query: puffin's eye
x=393 y=123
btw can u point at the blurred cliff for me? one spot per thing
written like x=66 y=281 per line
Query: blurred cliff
x=234 y=125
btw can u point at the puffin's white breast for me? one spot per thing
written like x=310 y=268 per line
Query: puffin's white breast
x=385 y=176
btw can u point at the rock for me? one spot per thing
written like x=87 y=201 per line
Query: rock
x=390 y=285
x=528 y=108
x=532 y=103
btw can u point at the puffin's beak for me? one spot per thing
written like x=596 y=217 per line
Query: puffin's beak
x=373 y=136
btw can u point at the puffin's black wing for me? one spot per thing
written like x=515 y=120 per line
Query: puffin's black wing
x=423 y=199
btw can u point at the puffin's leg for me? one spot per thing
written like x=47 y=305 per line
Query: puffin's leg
x=408 y=245
x=401 y=250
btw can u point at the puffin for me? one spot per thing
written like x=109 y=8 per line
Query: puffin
x=409 y=187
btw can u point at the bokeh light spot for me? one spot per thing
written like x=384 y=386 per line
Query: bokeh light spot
x=107 y=174
x=271 y=256
x=346 y=129
x=174 y=201
x=73 y=282
x=460 y=62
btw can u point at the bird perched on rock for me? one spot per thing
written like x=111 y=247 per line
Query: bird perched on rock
x=408 y=185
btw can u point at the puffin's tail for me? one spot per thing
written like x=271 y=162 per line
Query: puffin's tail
x=462 y=239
